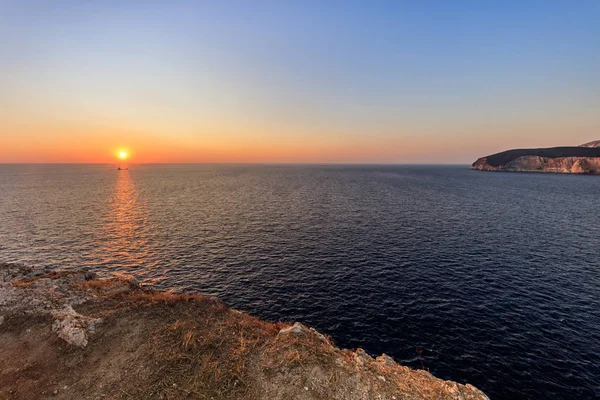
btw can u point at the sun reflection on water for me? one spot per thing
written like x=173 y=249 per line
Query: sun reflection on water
x=125 y=243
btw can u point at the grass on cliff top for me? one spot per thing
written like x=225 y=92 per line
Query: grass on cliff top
x=174 y=346
x=204 y=349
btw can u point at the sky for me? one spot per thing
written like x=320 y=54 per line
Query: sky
x=263 y=81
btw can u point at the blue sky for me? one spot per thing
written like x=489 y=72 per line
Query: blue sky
x=355 y=81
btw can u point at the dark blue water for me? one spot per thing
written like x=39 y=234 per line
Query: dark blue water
x=496 y=276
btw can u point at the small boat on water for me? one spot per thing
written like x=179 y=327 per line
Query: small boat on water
x=122 y=169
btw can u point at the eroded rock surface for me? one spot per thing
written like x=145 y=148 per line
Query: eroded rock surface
x=584 y=159
x=73 y=327
x=595 y=143
x=24 y=290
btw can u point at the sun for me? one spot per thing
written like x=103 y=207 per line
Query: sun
x=122 y=154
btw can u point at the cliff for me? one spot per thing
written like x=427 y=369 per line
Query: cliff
x=584 y=159
x=595 y=143
x=72 y=335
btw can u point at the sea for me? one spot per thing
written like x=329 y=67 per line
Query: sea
x=485 y=278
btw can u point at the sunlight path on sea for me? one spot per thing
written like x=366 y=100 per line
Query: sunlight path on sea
x=123 y=238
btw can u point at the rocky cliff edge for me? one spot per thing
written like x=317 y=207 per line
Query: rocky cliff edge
x=584 y=159
x=72 y=335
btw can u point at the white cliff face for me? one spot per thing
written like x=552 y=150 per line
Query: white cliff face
x=564 y=165
x=595 y=143
x=555 y=162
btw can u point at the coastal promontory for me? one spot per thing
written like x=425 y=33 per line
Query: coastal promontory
x=584 y=159
x=75 y=335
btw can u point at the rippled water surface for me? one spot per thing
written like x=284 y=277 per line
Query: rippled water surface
x=495 y=276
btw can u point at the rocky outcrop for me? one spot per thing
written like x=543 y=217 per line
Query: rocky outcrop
x=73 y=327
x=71 y=335
x=584 y=159
x=595 y=143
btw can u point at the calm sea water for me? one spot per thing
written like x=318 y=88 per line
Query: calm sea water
x=496 y=276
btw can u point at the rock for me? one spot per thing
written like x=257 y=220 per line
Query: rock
x=595 y=143
x=385 y=359
x=71 y=331
x=301 y=330
x=37 y=272
x=73 y=327
x=8 y=272
x=295 y=329
x=1 y=320
x=361 y=357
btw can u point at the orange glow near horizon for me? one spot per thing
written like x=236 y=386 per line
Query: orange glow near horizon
x=56 y=142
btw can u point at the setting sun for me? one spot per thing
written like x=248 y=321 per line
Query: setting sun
x=122 y=155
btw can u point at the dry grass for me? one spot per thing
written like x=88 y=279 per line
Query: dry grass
x=101 y=284
x=206 y=350
x=166 y=345
x=290 y=351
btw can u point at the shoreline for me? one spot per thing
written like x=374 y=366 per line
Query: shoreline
x=73 y=335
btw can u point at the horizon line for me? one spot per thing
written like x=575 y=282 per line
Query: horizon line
x=233 y=163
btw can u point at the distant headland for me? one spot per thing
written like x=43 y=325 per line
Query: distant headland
x=584 y=159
